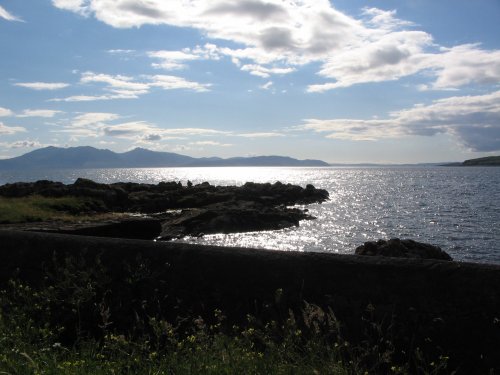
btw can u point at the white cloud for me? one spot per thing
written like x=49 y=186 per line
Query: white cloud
x=262 y=71
x=167 y=82
x=152 y=137
x=120 y=51
x=171 y=60
x=116 y=83
x=89 y=124
x=128 y=129
x=384 y=19
x=267 y=85
x=77 y=6
x=465 y=64
x=272 y=31
x=42 y=85
x=5 y=112
x=210 y=143
x=125 y=87
x=137 y=129
x=402 y=54
x=25 y=144
x=193 y=131
x=8 y=130
x=93 y=118
x=47 y=113
x=391 y=57
x=473 y=120
x=97 y=124
x=261 y=135
x=352 y=129
x=91 y=98
x=8 y=16
x=279 y=36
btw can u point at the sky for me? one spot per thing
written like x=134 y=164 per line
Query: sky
x=347 y=81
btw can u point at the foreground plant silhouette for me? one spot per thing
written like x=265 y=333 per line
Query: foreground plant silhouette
x=73 y=324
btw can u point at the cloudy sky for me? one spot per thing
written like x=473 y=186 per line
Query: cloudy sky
x=343 y=81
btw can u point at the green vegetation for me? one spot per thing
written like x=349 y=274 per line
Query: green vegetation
x=35 y=208
x=73 y=324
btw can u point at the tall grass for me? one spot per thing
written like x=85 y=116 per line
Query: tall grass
x=69 y=324
x=38 y=208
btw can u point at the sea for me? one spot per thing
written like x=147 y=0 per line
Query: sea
x=456 y=208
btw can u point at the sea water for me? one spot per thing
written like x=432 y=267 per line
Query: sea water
x=456 y=208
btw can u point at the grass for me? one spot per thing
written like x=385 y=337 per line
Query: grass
x=36 y=208
x=70 y=324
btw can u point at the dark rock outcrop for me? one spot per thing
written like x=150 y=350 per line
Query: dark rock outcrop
x=131 y=196
x=402 y=249
x=124 y=226
x=206 y=208
x=230 y=218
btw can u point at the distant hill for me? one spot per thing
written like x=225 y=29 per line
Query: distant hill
x=487 y=161
x=90 y=157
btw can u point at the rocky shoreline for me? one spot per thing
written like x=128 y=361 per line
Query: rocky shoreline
x=170 y=210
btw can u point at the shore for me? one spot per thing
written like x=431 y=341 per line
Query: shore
x=163 y=211
x=456 y=304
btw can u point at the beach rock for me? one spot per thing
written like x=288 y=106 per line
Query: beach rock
x=402 y=249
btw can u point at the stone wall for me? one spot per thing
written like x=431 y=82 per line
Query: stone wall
x=457 y=303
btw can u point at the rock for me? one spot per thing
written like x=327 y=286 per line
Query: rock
x=402 y=249
x=121 y=226
x=207 y=208
x=131 y=228
x=230 y=218
x=148 y=198
x=42 y=187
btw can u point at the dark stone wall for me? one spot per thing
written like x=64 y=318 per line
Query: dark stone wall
x=457 y=303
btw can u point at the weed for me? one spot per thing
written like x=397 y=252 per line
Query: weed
x=71 y=325
x=37 y=208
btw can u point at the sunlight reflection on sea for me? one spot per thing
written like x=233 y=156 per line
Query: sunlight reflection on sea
x=455 y=208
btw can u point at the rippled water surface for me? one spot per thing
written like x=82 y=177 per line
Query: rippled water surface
x=455 y=208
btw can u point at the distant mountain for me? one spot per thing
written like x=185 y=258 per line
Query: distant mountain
x=261 y=161
x=142 y=158
x=90 y=157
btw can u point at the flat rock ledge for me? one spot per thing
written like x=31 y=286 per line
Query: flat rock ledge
x=229 y=218
x=402 y=249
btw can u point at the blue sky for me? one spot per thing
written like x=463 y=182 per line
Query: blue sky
x=342 y=81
